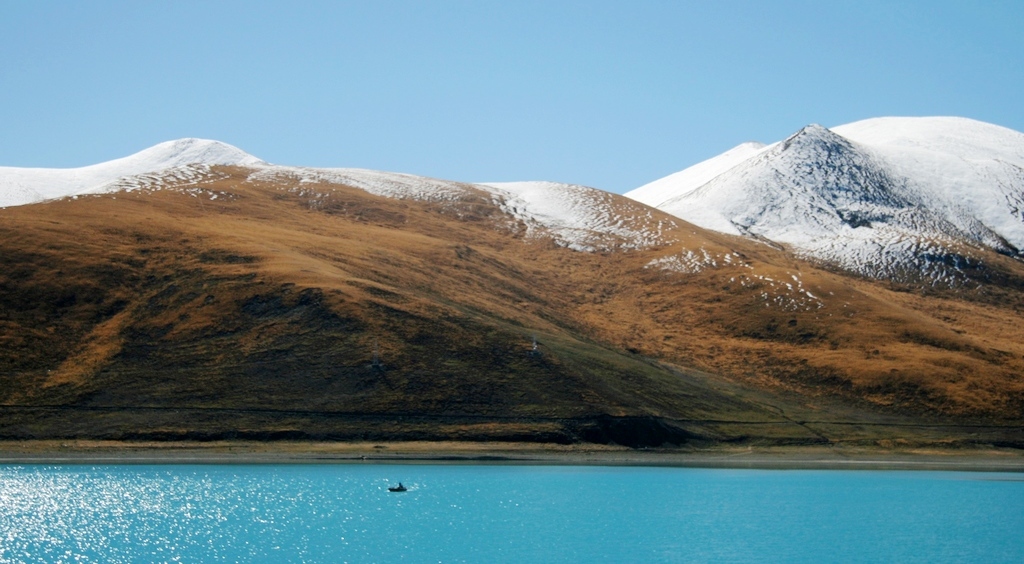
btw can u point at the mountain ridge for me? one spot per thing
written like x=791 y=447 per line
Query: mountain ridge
x=582 y=217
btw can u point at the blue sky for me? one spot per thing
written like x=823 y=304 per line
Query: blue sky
x=607 y=94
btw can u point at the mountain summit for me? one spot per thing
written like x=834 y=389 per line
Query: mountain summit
x=20 y=186
x=894 y=198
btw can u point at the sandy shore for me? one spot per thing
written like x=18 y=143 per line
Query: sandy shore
x=100 y=452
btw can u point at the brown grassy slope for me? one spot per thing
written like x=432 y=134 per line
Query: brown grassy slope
x=868 y=343
x=171 y=313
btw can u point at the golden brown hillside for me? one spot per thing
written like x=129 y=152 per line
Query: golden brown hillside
x=241 y=308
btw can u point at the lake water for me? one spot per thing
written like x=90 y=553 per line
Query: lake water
x=454 y=513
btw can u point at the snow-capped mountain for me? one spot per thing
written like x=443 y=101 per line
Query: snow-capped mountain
x=575 y=216
x=891 y=198
x=184 y=158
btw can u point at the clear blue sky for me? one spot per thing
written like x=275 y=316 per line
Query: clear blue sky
x=607 y=94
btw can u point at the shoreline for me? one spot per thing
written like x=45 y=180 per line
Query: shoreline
x=769 y=458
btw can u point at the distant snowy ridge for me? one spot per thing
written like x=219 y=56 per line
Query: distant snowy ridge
x=577 y=217
x=185 y=157
x=889 y=197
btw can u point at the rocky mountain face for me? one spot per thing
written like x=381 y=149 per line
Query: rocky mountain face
x=205 y=294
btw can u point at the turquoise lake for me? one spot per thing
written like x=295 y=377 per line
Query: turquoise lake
x=493 y=513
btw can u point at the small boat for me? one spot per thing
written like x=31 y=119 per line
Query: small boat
x=398 y=488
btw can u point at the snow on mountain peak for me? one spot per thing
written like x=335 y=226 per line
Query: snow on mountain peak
x=781 y=192
x=812 y=134
x=657 y=192
x=185 y=158
x=191 y=150
x=878 y=197
x=955 y=136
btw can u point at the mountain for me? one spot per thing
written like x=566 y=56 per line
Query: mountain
x=902 y=199
x=216 y=296
x=178 y=162
x=577 y=216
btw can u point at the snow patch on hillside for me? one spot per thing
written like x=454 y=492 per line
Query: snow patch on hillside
x=785 y=294
x=779 y=293
x=689 y=261
x=167 y=179
x=579 y=217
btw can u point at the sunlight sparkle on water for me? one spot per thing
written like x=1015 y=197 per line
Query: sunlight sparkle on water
x=339 y=513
